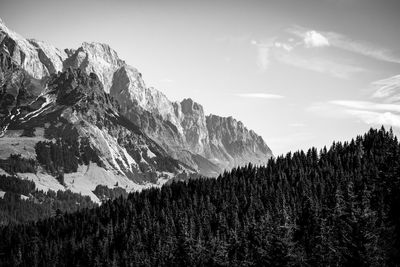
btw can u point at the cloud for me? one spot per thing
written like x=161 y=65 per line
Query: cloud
x=312 y=38
x=371 y=113
x=338 y=70
x=387 y=89
x=272 y=50
x=366 y=105
x=362 y=48
x=288 y=51
x=263 y=53
x=315 y=39
x=366 y=112
x=285 y=46
x=376 y=118
x=260 y=95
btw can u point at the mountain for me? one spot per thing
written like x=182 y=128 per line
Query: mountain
x=336 y=207
x=37 y=58
x=74 y=128
x=107 y=106
x=179 y=127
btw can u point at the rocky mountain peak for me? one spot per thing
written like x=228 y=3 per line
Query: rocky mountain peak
x=51 y=57
x=231 y=140
x=97 y=58
x=190 y=107
x=22 y=52
x=102 y=51
x=74 y=85
x=2 y=24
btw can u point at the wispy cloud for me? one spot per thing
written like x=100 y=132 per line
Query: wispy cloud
x=321 y=65
x=315 y=39
x=387 y=89
x=366 y=105
x=260 y=95
x=386 y=112
x=263 y=53
x=376 y=118
x=341 y=41
x=285 y=46
x=288 y=52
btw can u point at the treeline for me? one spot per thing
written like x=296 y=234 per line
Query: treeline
x=336 y=207
x=66 y=153
x=23 y=203
x=15 y=163
x=58 y=157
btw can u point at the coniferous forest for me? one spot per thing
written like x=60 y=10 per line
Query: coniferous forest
x=339 y=206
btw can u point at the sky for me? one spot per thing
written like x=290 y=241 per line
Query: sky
x=300 y=73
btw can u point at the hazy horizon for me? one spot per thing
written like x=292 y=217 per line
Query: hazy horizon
x=298 y=73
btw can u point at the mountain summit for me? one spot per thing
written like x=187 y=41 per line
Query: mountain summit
x=107 y=105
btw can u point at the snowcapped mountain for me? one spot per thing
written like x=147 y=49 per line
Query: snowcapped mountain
x=91 y=101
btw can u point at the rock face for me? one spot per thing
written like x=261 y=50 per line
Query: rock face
x=183 y=129
x=233 y=143
x=37 y=58
x=208 y=144
x=95 y=143
x=194 y=126
x=51 y=57
x=96 y=58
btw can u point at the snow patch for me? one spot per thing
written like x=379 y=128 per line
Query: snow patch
x=3 y=172
x=42 y=108
x=150 y=154
x=23 y=197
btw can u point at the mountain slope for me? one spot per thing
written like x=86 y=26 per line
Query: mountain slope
x=74 y=129
x=37 y=58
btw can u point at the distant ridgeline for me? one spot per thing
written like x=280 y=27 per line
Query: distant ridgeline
x=338 y=207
